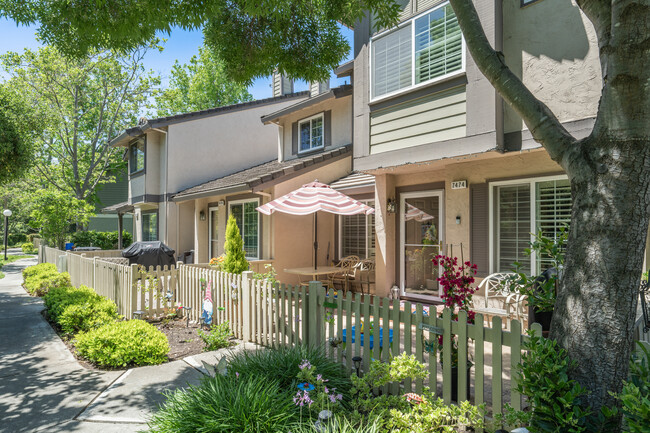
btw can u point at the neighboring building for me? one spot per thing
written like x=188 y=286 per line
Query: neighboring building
x=171 y=154
x=313 y=141
x=110 y=194
x=452 y=164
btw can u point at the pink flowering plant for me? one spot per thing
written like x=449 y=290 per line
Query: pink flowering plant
x=313 y=391
x=457 y=291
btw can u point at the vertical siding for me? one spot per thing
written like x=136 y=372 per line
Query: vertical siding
x=479 y=239
x=436 y=117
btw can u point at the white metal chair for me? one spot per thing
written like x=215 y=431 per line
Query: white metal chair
x=511 y=303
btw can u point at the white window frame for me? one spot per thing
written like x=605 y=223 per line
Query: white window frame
x=309 y=119
x=366 y=202
x=259 y=221
x=440 y=193
x=210 y=210
x=531 y=181
x=413 y=86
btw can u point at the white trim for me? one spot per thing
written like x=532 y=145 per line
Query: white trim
x=309 y=119
x=492 y=254
x=210 y=210
x=259 y=221
x=440 y=193
x=411 y=21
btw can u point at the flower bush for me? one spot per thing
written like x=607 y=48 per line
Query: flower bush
x=456 y=281
x=217 y=262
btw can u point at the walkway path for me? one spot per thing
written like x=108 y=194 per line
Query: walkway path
x=43 y=388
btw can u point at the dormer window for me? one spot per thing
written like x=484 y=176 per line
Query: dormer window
x=311 y=133
x=136 y=156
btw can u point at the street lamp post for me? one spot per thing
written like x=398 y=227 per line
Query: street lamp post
x=7 y=214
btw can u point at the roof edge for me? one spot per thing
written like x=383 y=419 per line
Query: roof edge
x=337 y=92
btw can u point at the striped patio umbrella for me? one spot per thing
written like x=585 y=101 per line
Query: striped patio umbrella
x=314 y=197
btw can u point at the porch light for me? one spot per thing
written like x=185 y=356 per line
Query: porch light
x=202 y=215
x=394 y=292
x=458 y=219
x=391 y=207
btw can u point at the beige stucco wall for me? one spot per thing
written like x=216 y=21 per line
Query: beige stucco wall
x=477 y=169
x=209 y=148
x=153 y=159
x=293 y=236
x=185 y=224
x=341 y=123
x=136 y=186
x=553 y=46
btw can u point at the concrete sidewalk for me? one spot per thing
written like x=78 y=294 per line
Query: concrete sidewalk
x=43 y=388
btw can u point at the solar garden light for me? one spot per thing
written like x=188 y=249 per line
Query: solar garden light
x=138 y=314
x=357 y=364
x=7 y=214
x=187 y=309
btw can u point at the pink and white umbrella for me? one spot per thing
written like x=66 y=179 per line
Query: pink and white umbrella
x=314 y=197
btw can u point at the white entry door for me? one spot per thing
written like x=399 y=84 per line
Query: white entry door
x=214 y=232
x=421 y=237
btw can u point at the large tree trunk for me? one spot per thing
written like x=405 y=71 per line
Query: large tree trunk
x=596 y=305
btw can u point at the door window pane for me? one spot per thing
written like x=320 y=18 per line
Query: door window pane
x=247 y=220
x=421 y=244
x=214 y=233
x=150 y=226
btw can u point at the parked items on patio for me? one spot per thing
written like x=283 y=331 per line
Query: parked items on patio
x=154 y=253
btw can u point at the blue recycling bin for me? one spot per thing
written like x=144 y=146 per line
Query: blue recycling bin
x=69 y=246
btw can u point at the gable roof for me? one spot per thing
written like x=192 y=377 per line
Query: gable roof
x=262 y=175
x=337 y=92
x=147 y=124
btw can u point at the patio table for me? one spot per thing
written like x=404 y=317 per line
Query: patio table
x=313 y=272
x=370 y=337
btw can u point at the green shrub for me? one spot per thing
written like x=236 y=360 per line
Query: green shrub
x=28 y=248
x=79 y=309
x=103 y=240
x=557 y=401
x=435 y=416
x=635 y=396
x=228 y=404
x=283 y=365
x=235 y=261
x=39 y=279
x=373 y=424
x=218 y=337
x=121 y=344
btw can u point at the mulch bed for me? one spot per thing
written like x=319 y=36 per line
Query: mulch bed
x=183 y=341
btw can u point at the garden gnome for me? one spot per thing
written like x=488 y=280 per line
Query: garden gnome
x=207 y=305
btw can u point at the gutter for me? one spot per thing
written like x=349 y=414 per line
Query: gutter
x=220 y=191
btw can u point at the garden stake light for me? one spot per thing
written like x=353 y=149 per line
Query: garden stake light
x=357 y=364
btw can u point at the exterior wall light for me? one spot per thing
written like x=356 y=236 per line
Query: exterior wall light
x=458 y=219
x=202 y=215
x=391 y=206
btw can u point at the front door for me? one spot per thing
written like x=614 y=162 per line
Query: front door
x=214 y=231
x=421 y=233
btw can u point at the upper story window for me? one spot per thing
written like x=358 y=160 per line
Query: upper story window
x=136 y=156
x=311 y=133
x=423 y=49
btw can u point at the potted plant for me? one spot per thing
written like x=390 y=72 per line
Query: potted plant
x=540 y=290
x=457 y=291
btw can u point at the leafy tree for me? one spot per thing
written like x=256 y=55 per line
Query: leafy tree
x=300 y=38
x=84 y=102
x=17 y=126
x=55 y=212
x=199 y=85
x=235 y=261
x=608 y=170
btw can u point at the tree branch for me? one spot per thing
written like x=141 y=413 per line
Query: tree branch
x=542 y=123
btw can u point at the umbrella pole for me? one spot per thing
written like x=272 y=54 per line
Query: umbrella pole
x=316 y=240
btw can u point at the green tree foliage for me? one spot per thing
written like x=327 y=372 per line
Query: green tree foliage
x=235 y=261
x=199 y=85
x=84 y=103
x=17 y=126
x=298 y=37
x=55 y=212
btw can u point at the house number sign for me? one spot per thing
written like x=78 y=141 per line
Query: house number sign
x=459 y=184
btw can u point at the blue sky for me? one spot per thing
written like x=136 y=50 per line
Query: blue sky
x=181 y=45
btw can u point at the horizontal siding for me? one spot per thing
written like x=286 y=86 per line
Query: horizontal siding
x=437 y=117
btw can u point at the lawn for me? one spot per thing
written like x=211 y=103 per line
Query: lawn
x=11 y=259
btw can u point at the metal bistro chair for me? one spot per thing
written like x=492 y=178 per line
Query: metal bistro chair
x=341 y=279
x=507 y=300
x=364 y=275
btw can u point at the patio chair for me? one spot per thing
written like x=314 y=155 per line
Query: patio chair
x=341 y=279
x=499 y=302
x=364 y=275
